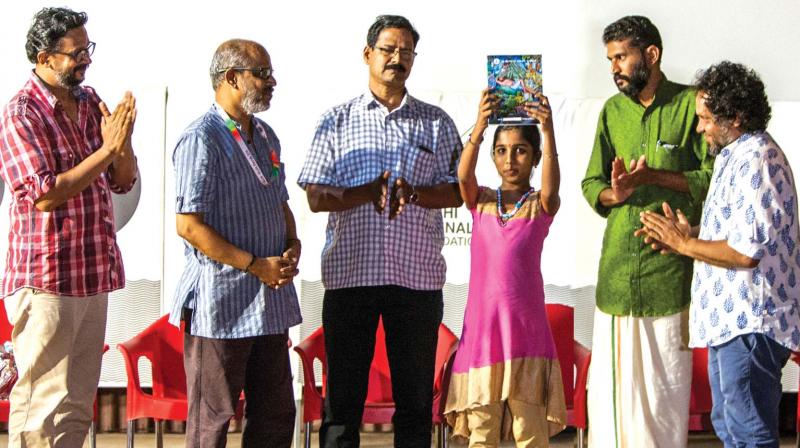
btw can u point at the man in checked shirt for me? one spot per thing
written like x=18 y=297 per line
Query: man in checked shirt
x=382 y=150
x=62 y=154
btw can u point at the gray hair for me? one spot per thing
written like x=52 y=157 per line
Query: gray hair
x=231 y=53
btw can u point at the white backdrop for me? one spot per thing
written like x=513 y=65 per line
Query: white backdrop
x=153 y=47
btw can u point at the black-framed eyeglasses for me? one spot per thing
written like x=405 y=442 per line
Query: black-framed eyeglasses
x=80 y=53
x=405 y=53
x=258 y=72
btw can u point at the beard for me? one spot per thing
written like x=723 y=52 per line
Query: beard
x=69 y=79
x=636 y=82
x=717 y=144
x=255 y=101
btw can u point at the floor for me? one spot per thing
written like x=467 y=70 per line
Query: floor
x=372 y=440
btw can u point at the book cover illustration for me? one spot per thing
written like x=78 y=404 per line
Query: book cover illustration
x=515 y=80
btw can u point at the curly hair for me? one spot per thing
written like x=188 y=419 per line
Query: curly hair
x=639 y=29
x=734 y=91
x=48 y=26
x=389 y=21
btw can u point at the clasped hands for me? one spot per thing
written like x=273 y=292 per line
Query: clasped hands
x=398 y=196
x=117 y=127
x=277 y=272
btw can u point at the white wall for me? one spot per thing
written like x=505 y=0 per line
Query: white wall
x=316 y=52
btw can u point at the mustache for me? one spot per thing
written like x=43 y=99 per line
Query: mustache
x=618 y=77
x=398 y=67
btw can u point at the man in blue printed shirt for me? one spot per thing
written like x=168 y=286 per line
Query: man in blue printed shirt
x=382 y=150
x=744 y=292
x=236 y=296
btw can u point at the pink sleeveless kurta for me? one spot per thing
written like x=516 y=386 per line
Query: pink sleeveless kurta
x=506 y=351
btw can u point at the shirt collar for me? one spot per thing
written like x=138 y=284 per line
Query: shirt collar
x=40 y=92
x=368 y=101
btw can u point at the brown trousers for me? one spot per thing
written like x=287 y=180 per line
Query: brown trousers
x=216 y=372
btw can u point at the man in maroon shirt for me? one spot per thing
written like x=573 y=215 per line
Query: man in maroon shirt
x=62 y=153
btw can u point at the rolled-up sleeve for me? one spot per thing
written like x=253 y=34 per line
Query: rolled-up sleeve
x=195 y=175
x=29 y=165
x=699 y=179
x=598 y=172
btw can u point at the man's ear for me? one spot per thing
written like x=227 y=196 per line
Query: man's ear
x=652 y=55
x=41 y=57
x=230 y=78
x=367 y=51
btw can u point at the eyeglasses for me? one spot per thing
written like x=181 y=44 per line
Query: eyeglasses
x=80 y=53
x=258 y=72
x=405 y=53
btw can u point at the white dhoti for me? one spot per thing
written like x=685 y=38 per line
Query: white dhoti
x=640 y=381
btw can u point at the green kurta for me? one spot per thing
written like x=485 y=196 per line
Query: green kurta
x=633 y=279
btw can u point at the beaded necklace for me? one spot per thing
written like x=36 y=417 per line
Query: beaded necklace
x=503 y=217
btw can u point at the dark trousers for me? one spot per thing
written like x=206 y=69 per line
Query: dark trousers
x=216 y=372
x=411 y=321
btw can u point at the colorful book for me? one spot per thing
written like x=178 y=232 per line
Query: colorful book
x=515 y=80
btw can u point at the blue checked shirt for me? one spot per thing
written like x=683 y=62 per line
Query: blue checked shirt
x=354 y=143
x=212 y=177
x=751 y=204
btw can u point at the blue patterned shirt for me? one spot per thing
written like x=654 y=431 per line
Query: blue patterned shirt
x=354 y=143
x=752 y=205
x=213 y=177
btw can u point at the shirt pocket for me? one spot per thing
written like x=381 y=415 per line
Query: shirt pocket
x=64 y=156
x=420 y=153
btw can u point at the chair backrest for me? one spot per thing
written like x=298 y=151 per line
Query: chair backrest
x=162 y=344
x=700 y=401
x=380 y=379
x=562 y=327
x=5 y=325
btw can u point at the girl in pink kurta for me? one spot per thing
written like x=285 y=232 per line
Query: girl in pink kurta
x=506 y=378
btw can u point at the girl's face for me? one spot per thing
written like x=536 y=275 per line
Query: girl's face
x=513 y=157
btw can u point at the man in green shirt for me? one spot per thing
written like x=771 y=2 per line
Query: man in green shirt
x=646 y=151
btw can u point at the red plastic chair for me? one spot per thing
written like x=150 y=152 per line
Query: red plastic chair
x=700 y=399
x=574 y=359
x=379 y=406
x=5 y=405
x=162 y=344
x=5 y=335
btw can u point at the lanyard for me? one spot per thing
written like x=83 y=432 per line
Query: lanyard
x=251 y=160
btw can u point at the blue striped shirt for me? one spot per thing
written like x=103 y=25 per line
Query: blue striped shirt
x=354 y=143
x=213 y=177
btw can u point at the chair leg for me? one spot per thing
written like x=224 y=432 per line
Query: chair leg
x=131 y=427
x=445 y=435
x=580 y=437
x=93 y=435
x=307 y=436
x=159 y=433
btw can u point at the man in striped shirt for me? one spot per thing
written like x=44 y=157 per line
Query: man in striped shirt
x=236 y=295
x=62 y=154
x=383 y=164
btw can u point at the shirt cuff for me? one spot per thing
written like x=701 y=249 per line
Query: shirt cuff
x=592 y=194
x=37 y=186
